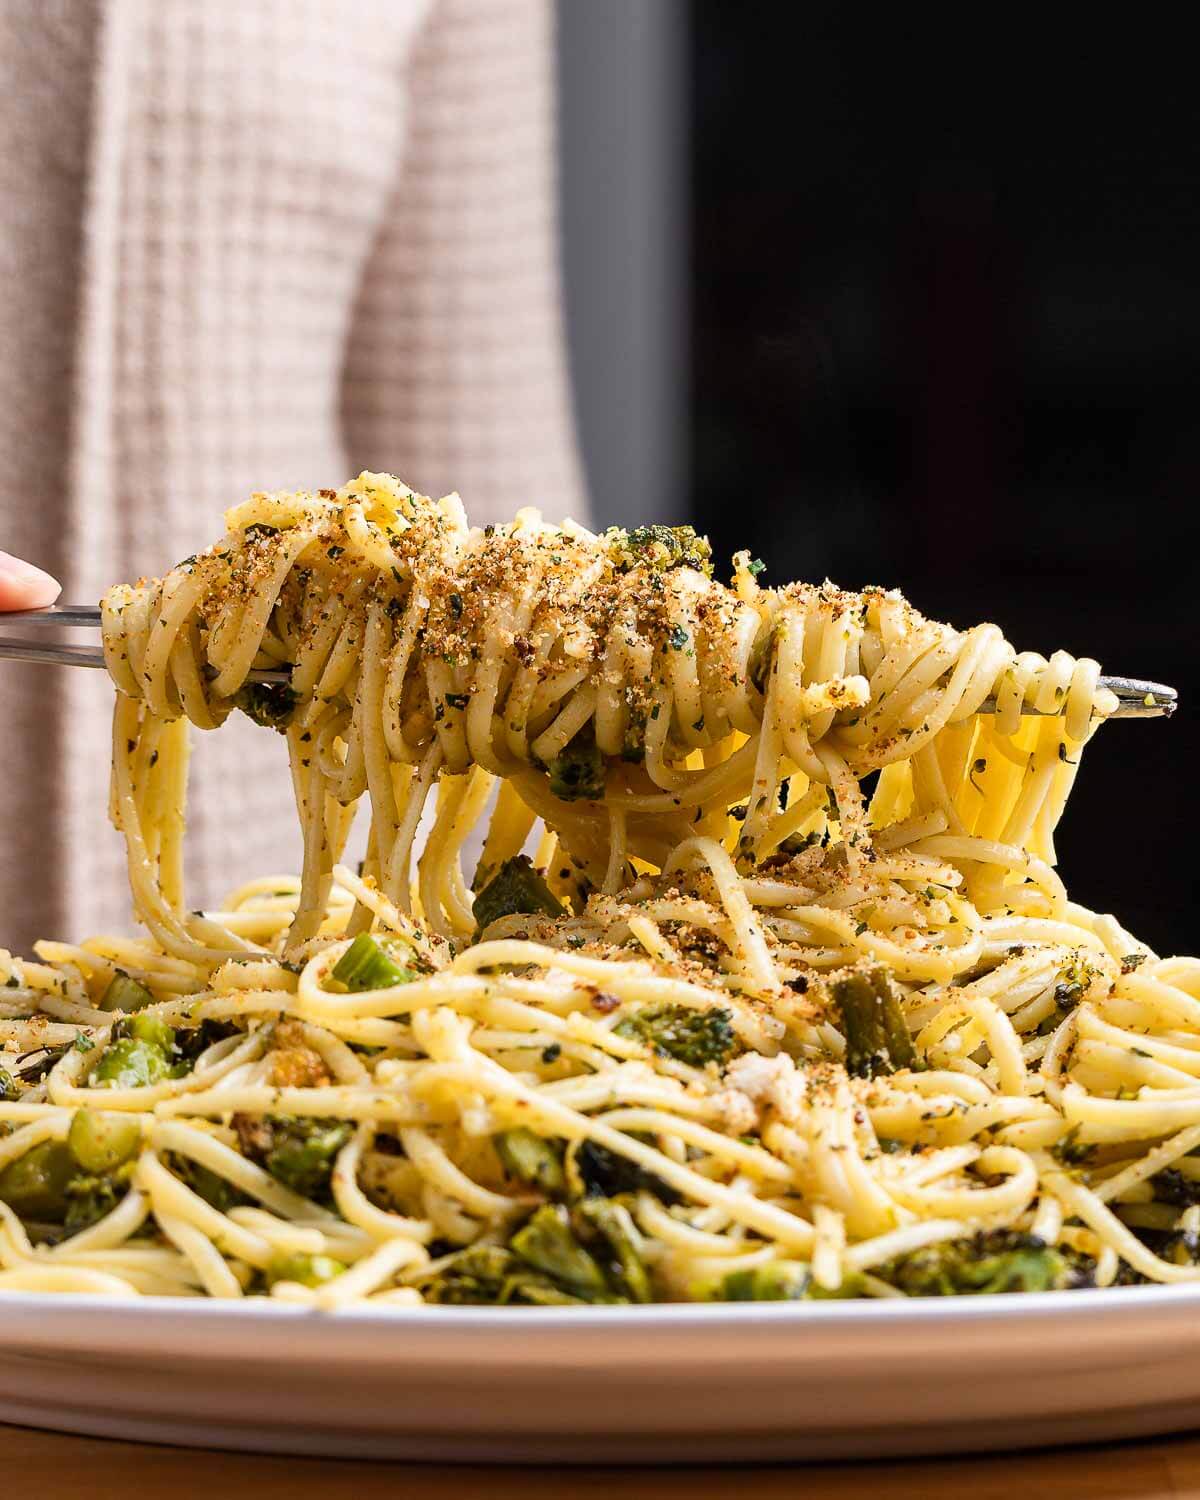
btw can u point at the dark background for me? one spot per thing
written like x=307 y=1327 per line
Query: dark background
x=944 y=326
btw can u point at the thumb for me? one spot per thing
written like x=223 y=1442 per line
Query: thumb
x=22 y=586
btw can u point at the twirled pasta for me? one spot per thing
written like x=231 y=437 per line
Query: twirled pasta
x=425 y=656
x=668 y=1065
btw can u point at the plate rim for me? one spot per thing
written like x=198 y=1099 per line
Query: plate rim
x=1005 y=1307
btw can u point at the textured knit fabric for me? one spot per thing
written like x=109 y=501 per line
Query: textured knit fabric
x=250 y=246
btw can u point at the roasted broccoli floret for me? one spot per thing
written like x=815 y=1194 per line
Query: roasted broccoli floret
x=577 y=771
x=995 y=1261
x=474 y=1277
x=1171 y=1186
x=144 y=1049
x=131 y=1063
x=1181 y=1248
x=593 y=1171
x=152 y=1030
x=780 y=1281
x=8 y=1086
x=614 y=1243
x=191 y=1041
x=556 y=1257
x=515 y=887
x=877 y=1037
x=491 y=1276
x=659 y=548
x=270 y=704
x=530 y=1159
x=92 y=1196
x=1071 y=1152
x=546 y=1243
x=50 y=1185
x=696 y=1037
x=297 y=1151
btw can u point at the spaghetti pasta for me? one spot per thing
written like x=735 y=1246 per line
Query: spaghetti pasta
x=789 y=1002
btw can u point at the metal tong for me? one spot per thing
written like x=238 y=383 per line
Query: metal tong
x=1136 y=699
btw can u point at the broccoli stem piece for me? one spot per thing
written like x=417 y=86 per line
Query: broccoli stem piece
x=100 y=1142
x=308 y=1270
x=577 y=772
x=35 y=1185
x=546 y=1243
x=529 y=1158
x=877 y=1038
x=124 y=993
x=365 y=966
x=515 y=887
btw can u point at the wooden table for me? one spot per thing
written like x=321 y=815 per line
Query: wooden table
x=47 y=1466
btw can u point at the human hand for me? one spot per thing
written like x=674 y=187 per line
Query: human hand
x=22 y=586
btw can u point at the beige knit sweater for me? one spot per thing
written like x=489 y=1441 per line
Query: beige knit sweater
x=250 y=245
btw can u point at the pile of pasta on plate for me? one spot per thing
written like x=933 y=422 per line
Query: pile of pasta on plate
x=760 y=983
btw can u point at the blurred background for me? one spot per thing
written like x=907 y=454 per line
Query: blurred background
x=917 y=305
x=878 y=297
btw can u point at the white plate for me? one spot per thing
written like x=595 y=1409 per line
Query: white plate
x=853 y=1379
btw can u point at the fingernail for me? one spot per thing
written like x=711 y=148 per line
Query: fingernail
x=35 y=580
